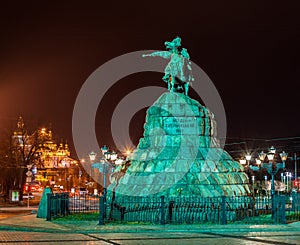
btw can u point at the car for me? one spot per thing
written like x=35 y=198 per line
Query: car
x=26 y=196
x=82 y=191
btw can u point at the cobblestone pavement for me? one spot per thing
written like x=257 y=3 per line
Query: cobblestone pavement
x=236 y=238
x=27 y=229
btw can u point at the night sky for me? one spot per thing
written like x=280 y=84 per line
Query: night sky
x=249 y=49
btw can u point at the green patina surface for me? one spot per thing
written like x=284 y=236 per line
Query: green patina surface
x=178 y=72
x=179 y=154
x=180 y=151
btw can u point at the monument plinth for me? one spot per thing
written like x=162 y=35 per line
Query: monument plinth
x=179 y=155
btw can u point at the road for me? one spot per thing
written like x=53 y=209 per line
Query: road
x=236 y=238
x=6 y=213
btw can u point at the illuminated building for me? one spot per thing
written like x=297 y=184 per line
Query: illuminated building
x=50 y=161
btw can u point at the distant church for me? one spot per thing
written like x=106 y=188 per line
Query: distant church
x=51 y=160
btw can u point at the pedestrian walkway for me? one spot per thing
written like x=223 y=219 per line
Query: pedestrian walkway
x=29 y=222
x=239 y=238
x=25 y=228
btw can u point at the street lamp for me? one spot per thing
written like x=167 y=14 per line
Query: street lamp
x=108 y=161
x=253 y=179
x=104 y=149
x=288 y=178
x=248 y=158
x=119 y=161
x=262 y=156
x=243 y=161
x=106 y=165
x=295 y=158
x=273 y=168
x=92 y=156
x=258 y=163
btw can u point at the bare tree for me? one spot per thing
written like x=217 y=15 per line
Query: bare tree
x=19 y=153
x=9 y=171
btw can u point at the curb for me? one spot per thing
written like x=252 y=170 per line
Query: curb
x=65 y=229
x=9 y=227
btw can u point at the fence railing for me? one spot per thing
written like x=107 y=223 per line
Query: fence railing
x=179 y=210
x=57 y=205
x=62 y=204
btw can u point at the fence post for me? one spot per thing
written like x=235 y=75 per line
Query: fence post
x=48 y=217
x=54 y=203
x=223 y=210
x=171 y=207
x=283 y=218
x=62 y=204
x=162 y=210
x=293 y=201
x=122 y=210
x=67 y=204
x=101 y=211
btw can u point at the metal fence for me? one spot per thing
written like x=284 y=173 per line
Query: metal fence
x=292 y=207
x=62 y=204
x=180 y=210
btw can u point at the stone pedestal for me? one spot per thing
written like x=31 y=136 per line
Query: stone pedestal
x=179 y=155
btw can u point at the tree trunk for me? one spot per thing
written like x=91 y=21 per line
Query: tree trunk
x=23 y=182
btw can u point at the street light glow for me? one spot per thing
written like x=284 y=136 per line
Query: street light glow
x=262 y=156
x=248 y=156
x=283 y=156
x=92 y=156
x=243 y=161
x=270 y=156
x=272 y=150
x=113 y=156
x=107 y=155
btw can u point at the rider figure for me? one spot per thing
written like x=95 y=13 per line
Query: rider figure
x=176 y=68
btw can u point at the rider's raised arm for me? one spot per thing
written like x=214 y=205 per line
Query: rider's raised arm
x=163 y=54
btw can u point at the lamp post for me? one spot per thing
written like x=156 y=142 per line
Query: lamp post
x=258 y=163
x=92 y=156
x=246 y=163
x=246 y=160
x=253 y=179
x=107 y=163
x=272 y=167
x=288 y=176
x=295 y=158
